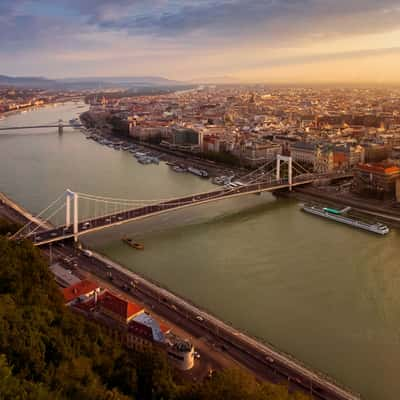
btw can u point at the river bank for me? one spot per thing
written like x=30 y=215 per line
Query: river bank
x=22 y=110
x=184 y=159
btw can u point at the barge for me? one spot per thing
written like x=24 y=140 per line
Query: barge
x=337 y=215
x=132 y=243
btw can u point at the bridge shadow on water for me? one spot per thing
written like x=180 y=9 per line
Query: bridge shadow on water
x=207 y=217
x=249 y=213
x=231 y=216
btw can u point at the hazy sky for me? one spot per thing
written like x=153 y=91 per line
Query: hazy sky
x=251 y=40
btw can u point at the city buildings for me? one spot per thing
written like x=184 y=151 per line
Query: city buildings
x=128 y=322
x=378 y=180
x=323 y=129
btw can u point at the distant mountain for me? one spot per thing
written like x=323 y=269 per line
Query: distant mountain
x=216 y=80
x=26 y=81
x=88 y=83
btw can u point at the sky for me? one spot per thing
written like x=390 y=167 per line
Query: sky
x=283 y=41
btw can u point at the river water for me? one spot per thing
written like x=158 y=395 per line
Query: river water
x=325 y=293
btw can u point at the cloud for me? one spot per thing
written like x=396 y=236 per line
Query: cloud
x=214 y=35
x=237 y=18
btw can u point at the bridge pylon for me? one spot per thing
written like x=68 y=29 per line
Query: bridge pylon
x=289 y=162
x=70 y=195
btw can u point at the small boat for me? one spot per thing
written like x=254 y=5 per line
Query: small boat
x=177 y=168
x=132 y=243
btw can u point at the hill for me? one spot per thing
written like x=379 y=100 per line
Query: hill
x=88 y=83
x=48 y=352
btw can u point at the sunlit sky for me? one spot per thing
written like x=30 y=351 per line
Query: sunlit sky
x=246 y=40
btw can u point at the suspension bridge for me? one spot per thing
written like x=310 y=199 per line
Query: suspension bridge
x=60 y=125
x=106 y=212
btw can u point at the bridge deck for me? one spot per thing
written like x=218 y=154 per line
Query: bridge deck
x=99 y=223
x=9 y=128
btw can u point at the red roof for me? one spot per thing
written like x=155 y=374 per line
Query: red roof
x=79 y=289
x=119 y=306
x=380 y=168
x=164 y=328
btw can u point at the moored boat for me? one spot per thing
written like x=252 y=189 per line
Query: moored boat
x=337 y=215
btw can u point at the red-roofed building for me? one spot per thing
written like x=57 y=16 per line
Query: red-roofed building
x=117 y=308
x=379 y=180
x=81 y=291
x=139 y=336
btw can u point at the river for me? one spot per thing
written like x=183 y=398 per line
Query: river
x=325 y=293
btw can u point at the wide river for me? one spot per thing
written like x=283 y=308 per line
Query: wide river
x=325 y=293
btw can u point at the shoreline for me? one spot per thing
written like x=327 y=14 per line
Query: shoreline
x=5 y=115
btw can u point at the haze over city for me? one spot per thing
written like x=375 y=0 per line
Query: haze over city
x=253 y=41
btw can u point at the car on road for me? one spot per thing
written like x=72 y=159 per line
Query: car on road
x=269 y=359
x=199 y=318
x=197 y=355
x=126 y=288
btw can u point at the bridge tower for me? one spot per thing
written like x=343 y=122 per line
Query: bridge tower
x=60 y=126
x=289 y=162
x=69 y=195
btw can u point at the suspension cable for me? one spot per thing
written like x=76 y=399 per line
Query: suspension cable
x=38 y=215
x=51 y=216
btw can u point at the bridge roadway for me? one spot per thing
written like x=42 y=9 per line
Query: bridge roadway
x=99 y=223
x=10 y=128
x=95 y=224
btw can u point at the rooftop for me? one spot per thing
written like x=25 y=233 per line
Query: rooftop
x=119 y=306
x=157 y=330
x=79 y=289
x=382 y=168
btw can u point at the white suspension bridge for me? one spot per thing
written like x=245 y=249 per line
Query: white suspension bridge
x=103 y=212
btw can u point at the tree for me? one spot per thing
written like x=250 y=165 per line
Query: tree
x=56 y=354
